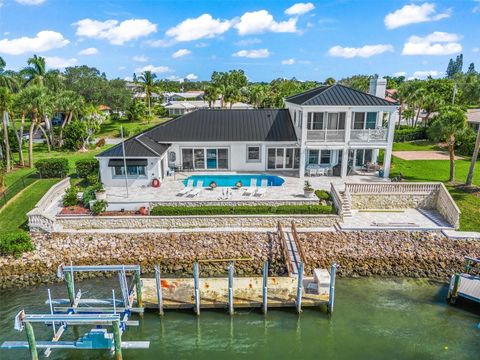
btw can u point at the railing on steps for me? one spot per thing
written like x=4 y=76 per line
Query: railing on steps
x=297 y=243
x=337 y=199
x=283 y=242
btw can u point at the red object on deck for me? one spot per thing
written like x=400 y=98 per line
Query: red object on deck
x=155 y=183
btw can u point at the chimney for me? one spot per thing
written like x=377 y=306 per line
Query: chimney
x=378 y=87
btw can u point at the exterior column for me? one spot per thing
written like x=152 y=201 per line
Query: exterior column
x=344 y=169
x=303 y=146
x=387 y=161
x=374 y=156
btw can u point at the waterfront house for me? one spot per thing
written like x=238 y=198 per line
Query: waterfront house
x=330 y=130
x=184 y=107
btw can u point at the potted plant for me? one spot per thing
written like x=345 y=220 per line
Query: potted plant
x=238 y=184
x=100 y=193
x=308 y=190
x=213 y=185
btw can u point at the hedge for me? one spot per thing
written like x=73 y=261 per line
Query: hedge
x=15 y=243
x=409 y=134
x=161 y=210
x=86 y=167
x=52 y=167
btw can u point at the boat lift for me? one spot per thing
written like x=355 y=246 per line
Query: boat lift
x=77 y=311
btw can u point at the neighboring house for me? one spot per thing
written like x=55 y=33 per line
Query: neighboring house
x=473 y=118
x=184 y=107
x=186 y=95
x=105 y=109
x=334 y=127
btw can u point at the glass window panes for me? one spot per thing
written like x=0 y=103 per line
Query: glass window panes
x=199 y=156
x=325 y=157
x=253 y=153
x=358 y=120
x=271 y=158
x=187 y=158
x=313 y=156
x=289 y=158
x=223 y=158
x=371 y=121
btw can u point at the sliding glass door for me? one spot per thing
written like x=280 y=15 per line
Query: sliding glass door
x=205 y=158
x=283 y=158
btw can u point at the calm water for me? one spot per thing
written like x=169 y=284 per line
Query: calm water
x=374 y=319
x=231 y=180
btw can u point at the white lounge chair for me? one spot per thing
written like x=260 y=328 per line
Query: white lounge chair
x=263 y=187
x=197 y=189
x=252 y=188
x=187 y=188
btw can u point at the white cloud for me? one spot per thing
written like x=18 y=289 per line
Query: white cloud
x=43 y=41
x=89 y=51
x=180 y=53
x=476 y=50
x=201 y=27
x=412 y=14
x=117 y=33
x=56 y=62
x=140 y=58
x=288 y=61
x=436 y=43
x=400 y=73
x=424 y=74
x=30 y=2
x=248 y=42
x=153 y=69
x=299 y=9
x=191 y=77
x=261 y=21
x=476 y=8
x=260 y=53
x=364 y=51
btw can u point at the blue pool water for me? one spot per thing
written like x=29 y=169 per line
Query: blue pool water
x=231 y=180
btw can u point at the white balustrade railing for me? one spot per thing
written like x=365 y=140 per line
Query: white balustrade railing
x=391 y=188
x=336 y=198
x=326 y=135
x=369 y=135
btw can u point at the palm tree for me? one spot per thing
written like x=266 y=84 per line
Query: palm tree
x=5 y=79
x=36 y=71
x=232 y=95
x=211 y=95
x=6 y=100
x=256 y=95
x=474 y=159
x=448 y=125
x=70 y=103
x=147 y=82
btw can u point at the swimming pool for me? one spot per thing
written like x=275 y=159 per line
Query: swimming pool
x=231 y=179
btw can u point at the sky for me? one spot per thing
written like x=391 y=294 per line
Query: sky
x=267 y=39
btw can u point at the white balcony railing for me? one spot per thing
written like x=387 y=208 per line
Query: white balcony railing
x=326 y=135
x=369 y=135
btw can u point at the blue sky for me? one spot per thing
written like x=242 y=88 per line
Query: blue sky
x=268 y=39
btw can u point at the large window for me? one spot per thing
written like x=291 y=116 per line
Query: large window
x=326 y=121
x=325 y=157
x=315 y=121
x=319 y=157
x=253 y=154
x=336 y=121
x=205 y=158
x=362 y=120
x=283 y=158
x=132 y=171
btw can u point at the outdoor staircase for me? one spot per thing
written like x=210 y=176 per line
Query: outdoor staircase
x=346 y=205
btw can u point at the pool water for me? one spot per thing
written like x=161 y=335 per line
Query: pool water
x=231 y=179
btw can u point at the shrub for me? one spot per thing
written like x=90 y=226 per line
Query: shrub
x=86 y=167
x=410 y=134
x=323 y=195
x=15 y=243
x=88 y=195
x=52 y=167
x=161 y=210
x=92 y=179
x=466 y=142
x=70 y=198
x=99 y=207
x=100 y=143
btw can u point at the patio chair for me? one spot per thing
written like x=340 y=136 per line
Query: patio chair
x=252 y=188
x=320 y=171
x=187 y=188
x=197 y=189
x=263 y=187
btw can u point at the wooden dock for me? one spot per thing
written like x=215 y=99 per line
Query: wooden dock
x=247 y=293
x=469 y=287
x=466 y=285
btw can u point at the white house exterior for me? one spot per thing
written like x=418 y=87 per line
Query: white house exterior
x=331 y=127
x=184 y=107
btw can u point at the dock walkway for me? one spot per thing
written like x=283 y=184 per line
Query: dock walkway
x=467 y=284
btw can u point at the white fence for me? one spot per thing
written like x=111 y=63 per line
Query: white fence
x=391 y=188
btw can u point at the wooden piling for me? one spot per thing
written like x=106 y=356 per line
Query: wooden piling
x=300 y=288
x=264 y=287
x=70 y=290
x=32 y=344
x=117 y=340
x=196 y=287
x=138 y=287
x=331 y=297
x=454 y=293
x=230 y=288
x=158 y=283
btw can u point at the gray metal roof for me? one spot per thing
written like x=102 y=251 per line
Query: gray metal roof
x=137 y=146
x=337 y=95
x=226 y=125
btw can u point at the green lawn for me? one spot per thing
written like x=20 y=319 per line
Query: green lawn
x=419 y=145
x=470 y=207
x=13 y=215
x=111 y=129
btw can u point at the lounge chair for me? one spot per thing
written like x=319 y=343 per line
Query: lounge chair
x=197 y=189
x=252 y=188
x=187 y=188
x=263 y=187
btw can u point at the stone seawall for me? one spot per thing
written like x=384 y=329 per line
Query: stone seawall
x=392 y=253
x=394 y=201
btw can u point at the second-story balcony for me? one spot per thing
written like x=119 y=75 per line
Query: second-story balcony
x=369 y=135
x=326 y=135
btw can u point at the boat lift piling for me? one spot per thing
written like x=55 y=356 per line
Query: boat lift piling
x=300 y=287
x=230 y=288
x=158 y=283
x=265 y=287
x=196 y=288
x=331 y=294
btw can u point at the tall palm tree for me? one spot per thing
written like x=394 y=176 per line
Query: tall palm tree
x=35 y=73
x=147 y=82
x=256 y=95
x=6 y=100
x=474 y=159
x=70 y=103
x=6 y=80
x=211 y=95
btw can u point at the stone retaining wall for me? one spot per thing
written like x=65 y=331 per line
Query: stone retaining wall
x=394 y=201
x=170 y=222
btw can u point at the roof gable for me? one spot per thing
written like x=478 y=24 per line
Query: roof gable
x=337 y=95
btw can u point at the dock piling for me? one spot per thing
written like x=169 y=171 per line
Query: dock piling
x=117 y=340
x=158 y=283
x=300 y=287
x=70 y=290
x=331 y=296
x=452 y=296
x=196 y=286
x=230 y=288
x=51 y=310
x=138 y=287
x=32 y=344
x=264 y=287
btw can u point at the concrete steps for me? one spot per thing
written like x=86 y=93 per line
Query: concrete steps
x=347 y=210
